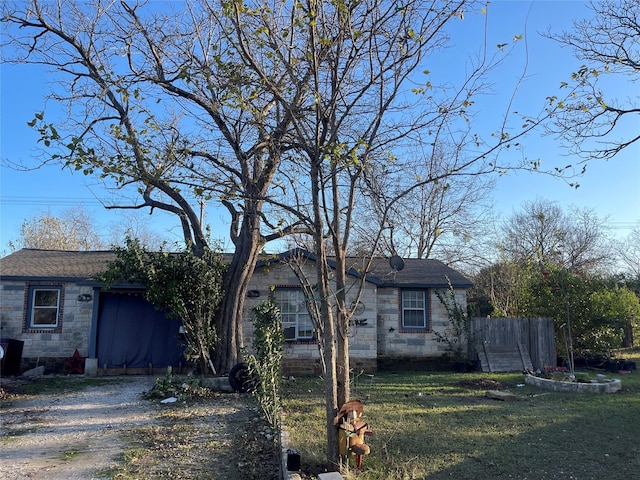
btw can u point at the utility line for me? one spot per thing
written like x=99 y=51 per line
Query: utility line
x=64 y=201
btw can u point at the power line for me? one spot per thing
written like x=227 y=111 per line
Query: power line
x=58 y=201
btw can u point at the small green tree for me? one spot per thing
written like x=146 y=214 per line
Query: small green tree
x=187 y=286
x=599 y=315
x=265 y=364
x=617 y=309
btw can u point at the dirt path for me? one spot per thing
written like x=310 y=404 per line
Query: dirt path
x=82 y=433
x=71 y=435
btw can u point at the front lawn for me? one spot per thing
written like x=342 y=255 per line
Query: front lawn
x=439 y=425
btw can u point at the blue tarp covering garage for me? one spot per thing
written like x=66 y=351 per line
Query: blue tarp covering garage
x=132 y=332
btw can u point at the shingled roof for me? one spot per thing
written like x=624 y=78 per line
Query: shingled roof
x=417 y=272
x=59 y=265
x=73 y=266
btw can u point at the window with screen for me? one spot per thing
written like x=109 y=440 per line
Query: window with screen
x=296 y=319
x=414 y=310
x=44 y=307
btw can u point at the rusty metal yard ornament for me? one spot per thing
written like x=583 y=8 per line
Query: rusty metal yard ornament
x=351 y=432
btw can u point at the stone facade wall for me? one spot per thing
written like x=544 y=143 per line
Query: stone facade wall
x=394 y=343
x=303 y=357
x=375 y=335
x=48 y=347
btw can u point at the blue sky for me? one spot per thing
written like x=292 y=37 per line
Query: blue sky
x=611 y=189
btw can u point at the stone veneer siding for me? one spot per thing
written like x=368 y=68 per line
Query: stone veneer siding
x=372 y=345
x=395 y=344
x=48 y=347
x=303 y=358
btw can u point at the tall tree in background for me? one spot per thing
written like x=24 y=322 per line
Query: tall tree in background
x=501 y=284
x=135 y=224
x=596 y=123
x=544 y=233
x=629 y=253
x=538 y=236
x=446 y=220
x=74 y=229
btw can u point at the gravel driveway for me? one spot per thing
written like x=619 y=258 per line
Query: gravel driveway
x=82 y=434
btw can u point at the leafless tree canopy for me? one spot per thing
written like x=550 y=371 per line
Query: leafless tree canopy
x=597 y=123
x=629 y=252
x=544 y=232
x=74 y=229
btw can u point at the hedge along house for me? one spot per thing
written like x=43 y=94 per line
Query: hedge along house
x=50 y=302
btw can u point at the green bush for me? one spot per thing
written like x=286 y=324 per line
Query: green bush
x=179 y=387
x=265 y=363
x=188 y=287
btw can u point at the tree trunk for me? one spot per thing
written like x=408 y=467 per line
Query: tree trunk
x=235 y=284
x=342 y=337
x=627 y=336
x=330 y=387
x=327 y=319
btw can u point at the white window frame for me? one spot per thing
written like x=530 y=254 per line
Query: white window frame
x=414 y=305
x=294 y=315
x=35 y=309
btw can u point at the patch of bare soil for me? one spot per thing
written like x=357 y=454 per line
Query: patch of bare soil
x=482 y=384
x=108 y=430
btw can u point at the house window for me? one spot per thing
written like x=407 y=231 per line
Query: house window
x=296 y=319
x=414 y=310
x=44 y=307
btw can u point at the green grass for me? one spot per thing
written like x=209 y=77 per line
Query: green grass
x=439 y=425
x=69 y=455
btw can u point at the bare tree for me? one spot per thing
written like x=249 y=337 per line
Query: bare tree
x=629 y=252
x=543 y=233
x=596 y=123
x=501 y=284
x=74 y=229
x=443 y=219
x=135 y=224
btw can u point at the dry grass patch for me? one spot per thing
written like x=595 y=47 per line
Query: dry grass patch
x=221 y=437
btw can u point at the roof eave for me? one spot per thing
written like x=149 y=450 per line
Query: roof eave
x=425 y=285
x=30 y=278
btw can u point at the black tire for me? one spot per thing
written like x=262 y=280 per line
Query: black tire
x=240 y=378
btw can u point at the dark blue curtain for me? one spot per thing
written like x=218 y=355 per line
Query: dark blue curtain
x=132 y=332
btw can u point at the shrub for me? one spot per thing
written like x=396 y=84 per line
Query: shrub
x=265 y=363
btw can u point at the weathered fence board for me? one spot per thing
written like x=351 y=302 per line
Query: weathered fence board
x=508 y=358
x=506 y=344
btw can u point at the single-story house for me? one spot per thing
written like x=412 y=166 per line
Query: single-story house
x=52 y=306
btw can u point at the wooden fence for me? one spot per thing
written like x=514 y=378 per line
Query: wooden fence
x=527 y=337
